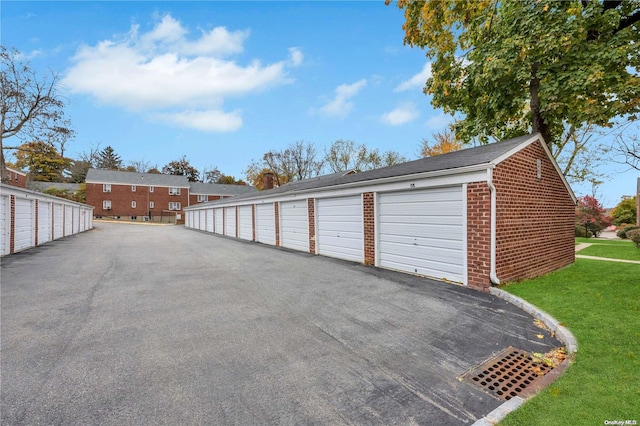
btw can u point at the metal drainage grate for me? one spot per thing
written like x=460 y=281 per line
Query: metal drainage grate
x=508 y=374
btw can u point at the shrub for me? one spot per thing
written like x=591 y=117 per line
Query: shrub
x=634 y=235
x=581 y=231
x=622 y=233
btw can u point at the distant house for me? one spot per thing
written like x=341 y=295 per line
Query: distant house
x=16 y=178
x=149 y=196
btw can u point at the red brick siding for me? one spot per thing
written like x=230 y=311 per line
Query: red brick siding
x=478 y=235
x=276 y=208
x=193 y=198
x=311 y=203
x=368 y=216
x=534 y=218
x=121 y=197
x=16 y=179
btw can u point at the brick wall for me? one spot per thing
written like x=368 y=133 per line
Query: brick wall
x=311 y=207
x=121 y=197
x=535 y=217
x=368 y=216
x=478 y=235
x=16 y=178
x=193 y=198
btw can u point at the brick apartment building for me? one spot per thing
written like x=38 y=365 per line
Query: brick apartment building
x=16 y=178
x=149 y=196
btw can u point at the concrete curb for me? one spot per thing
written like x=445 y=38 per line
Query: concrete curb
x=562 y=334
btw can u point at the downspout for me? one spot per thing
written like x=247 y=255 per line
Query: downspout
x=493 y=276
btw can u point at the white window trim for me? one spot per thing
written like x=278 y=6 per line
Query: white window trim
x=106 y=187
x=151 y=204
x=151 y=189
x=106 y=205
x=134 y=204
x=174 y=191
x=202 y=198
x=133 y=188
x=174 y=205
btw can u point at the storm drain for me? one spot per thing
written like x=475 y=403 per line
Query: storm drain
x=510 y=373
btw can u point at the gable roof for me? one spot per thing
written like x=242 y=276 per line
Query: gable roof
x=199 y=188
x=133 y=178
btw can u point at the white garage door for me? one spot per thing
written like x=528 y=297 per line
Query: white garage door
x=340 y=228
x=245 y=222
x=58 y=221
x=202 y=222
x=294 y=225
x=5 y=226
x=209 y=220
x=422 y=232
x=24 y=225
x=219 y=221
x=76 y=220
x=68 y=220
x=44 y=222
x=266 y=224
x=230 y=221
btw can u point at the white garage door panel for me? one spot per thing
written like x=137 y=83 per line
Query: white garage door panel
x=68 y=220
x=203 y=220
x=219 y=221
x=5 y=231
x=340 y=228
x=422 y=232
x=245 y=222
x=294 y=229
x=24 y=225
x=44 y=222
x=76 y=220
x=210 y=214
x=230 y=221
x=58 y=218
x=266 y=224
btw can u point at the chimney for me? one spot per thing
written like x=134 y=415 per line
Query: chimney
x=267 y=180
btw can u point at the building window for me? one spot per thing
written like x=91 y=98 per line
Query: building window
x=106 y=205
x=151 y=189
x=202 y=198
x=174 y=206
x=106 y=187
x=133 y=188
x=151 y=204
x=133 y=204
x=174 y=191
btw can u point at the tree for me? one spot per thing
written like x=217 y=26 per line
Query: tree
x=108 y=159
x=41 y=161
x=627 y=147
x=345 y=155
x=255 y=176
x=30 y=105
x=78 y=171
x=296 y=162
x=182 y=167
x=211 y=174
x=230 y=180
x=443 y=142
x=591 y=215
x=79 y=196
x=529 y=66
x=141 y=166
x=625 y=212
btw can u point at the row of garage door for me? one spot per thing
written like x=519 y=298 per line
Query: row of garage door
x=420 y=231
x=53 y=221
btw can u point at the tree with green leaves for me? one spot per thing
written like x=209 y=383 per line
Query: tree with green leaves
x=512 y=67
x=230 y=180
x=625 y=212
x=42 y=162
x=108 y=159
x=182 y=167
x=344 y=155
x=31 y=109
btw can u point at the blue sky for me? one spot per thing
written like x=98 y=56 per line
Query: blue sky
x=224 y=82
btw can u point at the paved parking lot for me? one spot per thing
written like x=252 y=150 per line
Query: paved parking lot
x=135 y=324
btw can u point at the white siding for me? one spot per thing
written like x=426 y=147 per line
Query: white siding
x=219 y=225
x=230 y=221
x=294 y=225
x=339 y=228
x=210 y=215
x=58 y=219
x=44 y=222
x=24 y=224
x=5 y=224
x=68 y=220
x=266 y=224
x=422 y=232
x=245 y=222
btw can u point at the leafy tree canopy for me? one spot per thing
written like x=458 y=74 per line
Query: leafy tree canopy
x=42 y=162
x=108 y=159
x=182 y=167
x=443 y=142
x=511 y=67
x=591 y=215
x=345 y=155
x=625 y=212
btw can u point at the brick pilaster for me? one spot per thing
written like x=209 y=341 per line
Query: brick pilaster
x=311 y=204
x=368 y=216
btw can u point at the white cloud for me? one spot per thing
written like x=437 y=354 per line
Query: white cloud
x=207 y=121
x=403 y=114
x=340 y=105
x=417 y=81
x=164 y=73
x=439 y=121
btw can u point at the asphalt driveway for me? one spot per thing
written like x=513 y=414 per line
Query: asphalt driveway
x=135 y=324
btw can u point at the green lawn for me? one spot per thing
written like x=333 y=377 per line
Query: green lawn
x=618 y=251
x=600 y=303
x=603 y=241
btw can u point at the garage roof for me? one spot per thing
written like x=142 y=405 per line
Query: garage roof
x=199 y=188
x=135 y=178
